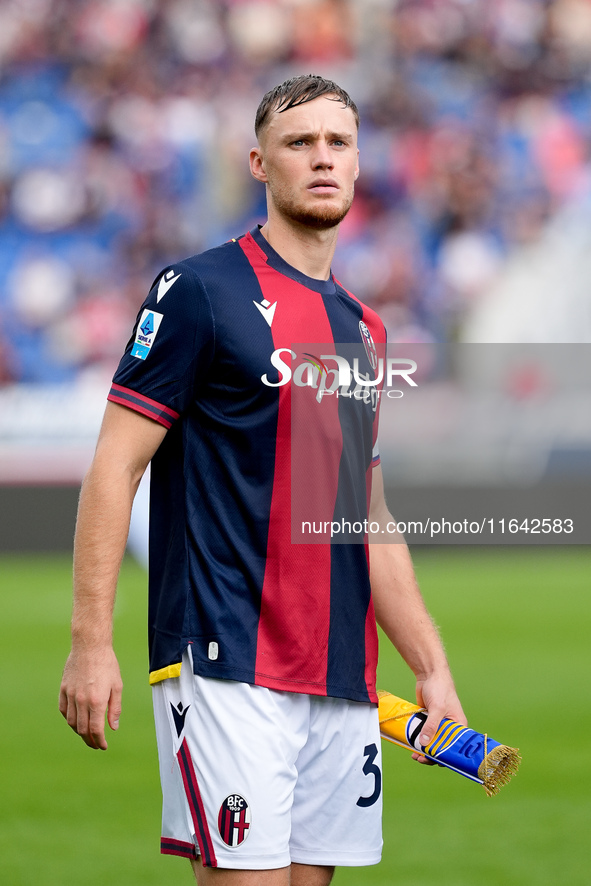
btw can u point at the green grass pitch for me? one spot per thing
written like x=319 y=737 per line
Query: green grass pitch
x=516 y=627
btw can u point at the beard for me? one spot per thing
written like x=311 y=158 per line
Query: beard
x=324 y=215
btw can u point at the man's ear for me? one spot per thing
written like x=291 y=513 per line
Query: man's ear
x=257 y=164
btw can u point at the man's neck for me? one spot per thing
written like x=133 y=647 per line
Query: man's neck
x=306 y=249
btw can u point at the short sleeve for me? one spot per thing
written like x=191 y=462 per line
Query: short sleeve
x=171 y=346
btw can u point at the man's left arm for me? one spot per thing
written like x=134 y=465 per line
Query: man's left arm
x=403 y=616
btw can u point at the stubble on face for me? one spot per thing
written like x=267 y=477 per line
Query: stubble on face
x=321 y=216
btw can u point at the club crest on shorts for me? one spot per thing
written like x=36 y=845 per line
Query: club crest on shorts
x=234 y=820
x=369 y=345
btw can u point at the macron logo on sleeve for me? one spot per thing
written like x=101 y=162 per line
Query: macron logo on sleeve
x=166 y=281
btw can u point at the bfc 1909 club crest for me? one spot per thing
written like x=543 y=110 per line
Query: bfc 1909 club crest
x=234 y=820
x=369 y=345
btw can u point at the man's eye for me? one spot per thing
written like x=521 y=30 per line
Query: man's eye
x=298 y=141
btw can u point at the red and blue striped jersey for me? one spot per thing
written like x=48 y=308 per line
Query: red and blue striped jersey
x=244 y=360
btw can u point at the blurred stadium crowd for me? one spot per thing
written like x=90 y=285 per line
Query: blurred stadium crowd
x=125 y=127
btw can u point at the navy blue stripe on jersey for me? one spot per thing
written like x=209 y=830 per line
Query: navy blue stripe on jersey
x=139 y=403
x=217 y=543
x=348 y=612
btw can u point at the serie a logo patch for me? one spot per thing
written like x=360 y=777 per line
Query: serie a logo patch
x=234 y=820
x=146 y=333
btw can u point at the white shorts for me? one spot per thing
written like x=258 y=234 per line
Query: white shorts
x=254 y=778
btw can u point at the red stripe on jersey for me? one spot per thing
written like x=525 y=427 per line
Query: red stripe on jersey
x=162 y=420
x=295 y=607
x=149 y=402
x=144 y=405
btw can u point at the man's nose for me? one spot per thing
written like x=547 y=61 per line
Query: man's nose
x=322 y=156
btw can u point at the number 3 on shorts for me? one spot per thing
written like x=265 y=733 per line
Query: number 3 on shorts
x=370 y=768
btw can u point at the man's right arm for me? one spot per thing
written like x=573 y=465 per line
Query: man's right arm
x=91 y=684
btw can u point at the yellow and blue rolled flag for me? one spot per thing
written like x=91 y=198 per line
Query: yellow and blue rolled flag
x=473 y=754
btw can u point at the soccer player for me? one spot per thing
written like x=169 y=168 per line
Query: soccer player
x=262 y=652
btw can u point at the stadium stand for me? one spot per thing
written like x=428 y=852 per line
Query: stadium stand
x=124 y=126
x=124 y=131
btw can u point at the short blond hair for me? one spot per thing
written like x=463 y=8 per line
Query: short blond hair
x=297 y=91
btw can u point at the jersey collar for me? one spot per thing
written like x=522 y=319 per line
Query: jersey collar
x=274 y=260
